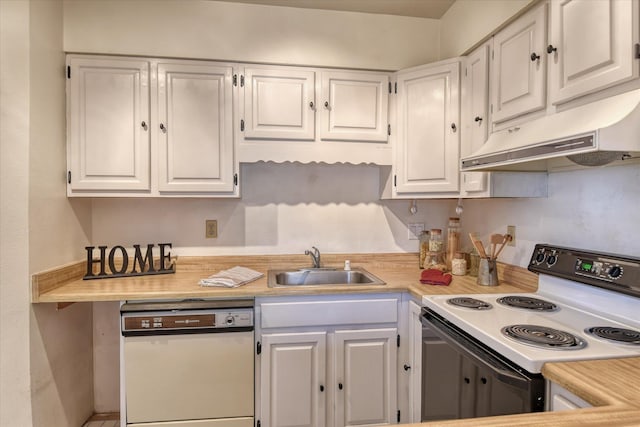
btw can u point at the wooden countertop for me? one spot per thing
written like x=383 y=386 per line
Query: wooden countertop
x=399 y=271
x=612 y=386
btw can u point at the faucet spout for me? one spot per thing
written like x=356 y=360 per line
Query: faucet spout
x=314 y=253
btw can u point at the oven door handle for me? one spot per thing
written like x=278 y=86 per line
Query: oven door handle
x=500 y=370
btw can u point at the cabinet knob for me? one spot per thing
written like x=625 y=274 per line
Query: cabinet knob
x=483 y=380
x=534 y=57
x=551 y=49
x=467 y=380
x=144 y=125
x=454 y=127
x=162 y=127
x=478 y=119
x=321 y=388
x=340 y=386
x=326 y=104
x=406 y=367
x=311 y=105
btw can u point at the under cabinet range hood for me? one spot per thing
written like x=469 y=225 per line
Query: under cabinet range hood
x=593 y=134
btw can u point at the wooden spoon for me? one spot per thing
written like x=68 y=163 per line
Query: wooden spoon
x=496 y=239
x=478 y=245
x=506 y=238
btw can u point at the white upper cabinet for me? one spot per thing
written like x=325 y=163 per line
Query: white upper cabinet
x=427 y=146
x=354 y=106
x=195 y=139
x=108 y=141
x=591 y=46
x=125 y=112
x=279 y=103
x=519 y=66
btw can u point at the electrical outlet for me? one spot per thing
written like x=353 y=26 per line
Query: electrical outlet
x=511 y=230
x=211 y=229
x=415 y=229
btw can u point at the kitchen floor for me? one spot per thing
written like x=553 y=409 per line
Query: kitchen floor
x=101 y=423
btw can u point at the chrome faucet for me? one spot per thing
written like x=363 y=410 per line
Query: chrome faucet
x=315 y=256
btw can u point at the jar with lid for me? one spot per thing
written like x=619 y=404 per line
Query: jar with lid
x=453 y=239
x=459 y=264
x=435 y=240
x=424 y=247
x=435 y=260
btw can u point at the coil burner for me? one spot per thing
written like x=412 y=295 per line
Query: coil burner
x=467 y=302
x=543 y=337
x=618 y=335
x=528 y=303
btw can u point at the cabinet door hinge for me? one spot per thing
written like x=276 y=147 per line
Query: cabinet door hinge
x=235 y=80
x=466 y=71
x=68 y=71
x=388 y=129
x=398 y=340
x=395 y=90
x=258 y=347
x=492 y=54
x=69 y=177
x=637 y=50
x=241 y=125
x=241 y=81
x=390 y=88
x=235 y=179
x=258 y=423
x=395 y=180
x=398 y=416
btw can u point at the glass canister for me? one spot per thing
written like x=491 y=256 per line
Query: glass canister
x=435 y=240
x=459 y=264
x=474 y=262
x=424 y=247
x=435 y=260
x=453 y=239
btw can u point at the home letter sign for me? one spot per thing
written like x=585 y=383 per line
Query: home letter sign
x=141 y=265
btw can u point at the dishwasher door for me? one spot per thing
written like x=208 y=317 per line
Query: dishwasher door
x=189 y=377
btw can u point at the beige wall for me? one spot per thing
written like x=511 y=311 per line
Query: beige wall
x=46 y=355
x=469 y=21
x=244 y=32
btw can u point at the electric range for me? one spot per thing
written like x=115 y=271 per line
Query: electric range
x=582 y=295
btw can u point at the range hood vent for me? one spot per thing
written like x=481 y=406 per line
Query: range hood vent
x=593 y=134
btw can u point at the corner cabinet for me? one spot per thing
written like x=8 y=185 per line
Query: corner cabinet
x=427 y=145
x=149 y=127
x=314 y=370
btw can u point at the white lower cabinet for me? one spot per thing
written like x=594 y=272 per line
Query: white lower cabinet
x=561 y=399
x=338 y=371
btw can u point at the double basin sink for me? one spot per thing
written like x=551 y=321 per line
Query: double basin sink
x=321 y=276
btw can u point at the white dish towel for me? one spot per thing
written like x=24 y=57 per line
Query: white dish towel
x=232 y=278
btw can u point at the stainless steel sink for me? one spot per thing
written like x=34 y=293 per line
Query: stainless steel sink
x=321 y=276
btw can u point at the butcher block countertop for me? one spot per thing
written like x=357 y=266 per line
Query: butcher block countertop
x=399 y=271
x=612 y=386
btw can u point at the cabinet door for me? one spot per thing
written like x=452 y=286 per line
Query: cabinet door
x=292 y=382
x=475 y=115
x=519 y=66
x=195 y=135
x=428 y=148
x=365 y=365
x=279 y=103
x=594 y=43
x=354 y=106
x=108 y=116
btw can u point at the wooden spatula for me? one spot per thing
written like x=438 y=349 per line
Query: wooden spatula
x=496 y=239
x=478 y=245
x=506 y=238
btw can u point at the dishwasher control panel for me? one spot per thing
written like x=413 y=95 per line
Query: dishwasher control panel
x=184 y=320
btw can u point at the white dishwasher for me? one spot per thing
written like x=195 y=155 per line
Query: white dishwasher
x=188 y=363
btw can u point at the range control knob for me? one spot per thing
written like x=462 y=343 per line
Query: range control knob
x=552 y=259
x=539 y=258
x=615 y=272
x=229 y=320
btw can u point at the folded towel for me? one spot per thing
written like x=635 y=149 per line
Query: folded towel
x=435 y=277
x=231 y=278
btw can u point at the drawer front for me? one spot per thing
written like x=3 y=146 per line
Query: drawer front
x=329 y=313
